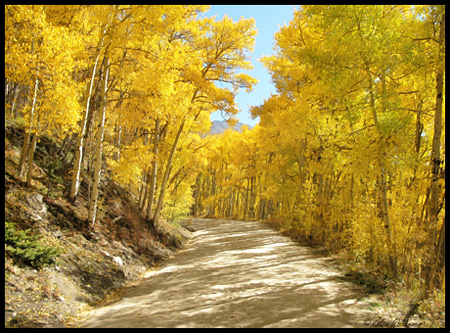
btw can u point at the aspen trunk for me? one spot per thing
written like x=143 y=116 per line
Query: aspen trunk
x=436 y=277
x=252 y=197
x=419 y=129
x=302 y=160
x=433 y=202
x=158 y=208
x=145 y=180
x=118 y=140
x=383 y=206
x=14 y=100
x=197 y=190
x=143 y=190
x=98 y=149
x=166 y=175
x=24 y=153
x=435 y=162
x=213 y=194
x=154 y=169
x=246 y=200
x=30 y=158
x=236 y=203
x=26 y=141
x=230 y=203
x=82 y=135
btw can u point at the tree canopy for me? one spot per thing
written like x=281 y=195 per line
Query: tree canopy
x=349 y=152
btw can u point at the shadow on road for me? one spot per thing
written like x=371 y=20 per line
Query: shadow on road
x=238 y=274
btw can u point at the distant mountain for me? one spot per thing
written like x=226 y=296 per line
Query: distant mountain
x=219 y=126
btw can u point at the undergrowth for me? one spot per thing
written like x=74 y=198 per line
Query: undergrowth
x=25 y=245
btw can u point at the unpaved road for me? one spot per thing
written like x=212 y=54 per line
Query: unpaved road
x=238 y=274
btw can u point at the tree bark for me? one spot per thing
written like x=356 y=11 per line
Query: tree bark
x=14 y=100
x=383 y=203
x=246 y=207
x=419 y=129
x=154 y=169
x=435 y=163
x=439 y=264
x=143 y=191
x=30 y=158
x=197 y=189
x=118 y=140
x=26 y=141
x=166 y=175
x=158 y=208
x=82 y=135
x=98 y=153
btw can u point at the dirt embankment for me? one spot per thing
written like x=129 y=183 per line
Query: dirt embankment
x=93 y=262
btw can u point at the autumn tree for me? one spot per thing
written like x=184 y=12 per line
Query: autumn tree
x=219 y=49
x=133 y=85
x=347 y=151
x=42 y=56
x=435 y=264
x=352 y=69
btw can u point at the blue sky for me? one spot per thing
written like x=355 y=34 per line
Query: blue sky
x=268 y=20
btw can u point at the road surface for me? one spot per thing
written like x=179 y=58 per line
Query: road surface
x=238 y=274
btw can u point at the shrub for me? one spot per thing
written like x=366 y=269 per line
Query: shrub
x=25 y=245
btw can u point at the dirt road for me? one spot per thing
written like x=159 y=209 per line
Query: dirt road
x=238 y=274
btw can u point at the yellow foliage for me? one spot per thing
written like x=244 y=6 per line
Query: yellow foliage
x=341 y=153
x=342 y=150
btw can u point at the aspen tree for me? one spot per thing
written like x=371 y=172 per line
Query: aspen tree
x=435 y=167
x=82 y=134
x=98 y=149
x=26 y=141
x=154 y=169
x=346 y=147
x=221 y=50
x=43 y=56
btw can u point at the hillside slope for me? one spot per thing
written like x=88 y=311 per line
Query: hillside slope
x=54 y=262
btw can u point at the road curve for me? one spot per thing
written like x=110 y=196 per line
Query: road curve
x=238 y=274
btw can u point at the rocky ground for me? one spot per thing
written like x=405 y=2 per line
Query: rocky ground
x=94 y=262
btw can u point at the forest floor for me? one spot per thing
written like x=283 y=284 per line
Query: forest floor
x=94 y=263
x=242 y=274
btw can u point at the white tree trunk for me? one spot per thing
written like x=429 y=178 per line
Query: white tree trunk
x=154 y=170
x=81 y=137
x=169 y=167
x=435 y=166
x=166 y=175
x=26 y=141
x=30 y=158
x=98 y=149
